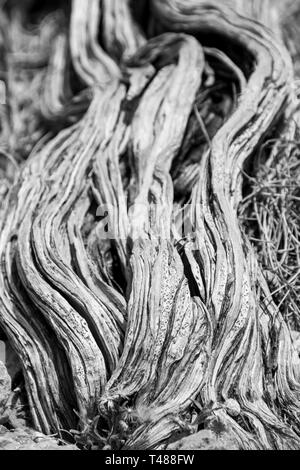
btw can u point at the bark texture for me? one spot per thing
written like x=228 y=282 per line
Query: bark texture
x=150 y=335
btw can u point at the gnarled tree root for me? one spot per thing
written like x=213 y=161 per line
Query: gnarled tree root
x=149 y=333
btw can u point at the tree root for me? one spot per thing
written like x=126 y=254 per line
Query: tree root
x=129 y=288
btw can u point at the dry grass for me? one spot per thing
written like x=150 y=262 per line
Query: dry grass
x=271 y=218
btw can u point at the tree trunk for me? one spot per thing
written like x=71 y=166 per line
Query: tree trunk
x=130 y=288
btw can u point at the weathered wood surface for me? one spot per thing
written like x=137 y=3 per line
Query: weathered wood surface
x=136 y=327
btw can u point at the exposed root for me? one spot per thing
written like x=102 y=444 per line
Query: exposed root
x=139 y=285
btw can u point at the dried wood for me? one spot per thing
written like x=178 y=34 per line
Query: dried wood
x=148 y=333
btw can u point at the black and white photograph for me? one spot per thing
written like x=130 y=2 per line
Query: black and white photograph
x=149 y=228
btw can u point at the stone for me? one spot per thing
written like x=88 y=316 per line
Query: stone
x=29 y=439
x=5 y=386
x=205 y=440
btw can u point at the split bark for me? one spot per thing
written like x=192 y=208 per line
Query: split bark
x=136 y=327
